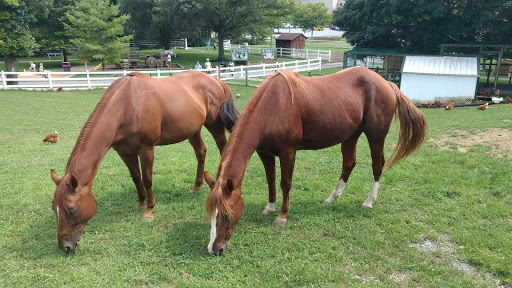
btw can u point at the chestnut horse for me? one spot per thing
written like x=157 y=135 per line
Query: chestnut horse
x=290 y=112
x=136 y=113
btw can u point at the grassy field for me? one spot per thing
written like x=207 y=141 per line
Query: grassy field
x=443 y=217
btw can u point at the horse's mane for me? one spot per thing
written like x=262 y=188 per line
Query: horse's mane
x=102 y=103
x=215 y=199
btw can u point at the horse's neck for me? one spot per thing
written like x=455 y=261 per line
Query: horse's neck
x=245 y=142
x=92 y=146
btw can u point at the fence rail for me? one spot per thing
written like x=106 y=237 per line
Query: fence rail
x=292 y=52
x=89 y=79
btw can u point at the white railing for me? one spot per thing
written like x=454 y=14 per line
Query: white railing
x=294 y=53
x=90 y=79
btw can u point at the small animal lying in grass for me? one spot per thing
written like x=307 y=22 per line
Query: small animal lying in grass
x=508 y=100
x=52 y=137
x=449 y=106
x=426 y=105
x=483 y=107
x=438 y=104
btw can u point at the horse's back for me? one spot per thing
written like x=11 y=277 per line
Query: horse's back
x=168 y=110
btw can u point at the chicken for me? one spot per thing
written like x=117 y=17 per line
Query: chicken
x=508 y=100
x=426 y=105
x=449 y=106
x=497 y=92
x=497 y=100
x=483 y=107
x=59 y=89
x=438 y=104
x=52 y=137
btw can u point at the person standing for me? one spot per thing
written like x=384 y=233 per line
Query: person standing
x=207 y=45
x=214 y=45
x=208 y=65
x=169 y=60
x=198 y=66
x=32 y=66
x=231 y=67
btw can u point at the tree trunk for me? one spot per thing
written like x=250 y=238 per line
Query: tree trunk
x=10 y=66
x=65 y=55
x=221 y=47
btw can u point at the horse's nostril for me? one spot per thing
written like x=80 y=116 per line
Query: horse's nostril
x=67 y=249
x=221 y=250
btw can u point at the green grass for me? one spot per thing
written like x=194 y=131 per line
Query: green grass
x=460 y=201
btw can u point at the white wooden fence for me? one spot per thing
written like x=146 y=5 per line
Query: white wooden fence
x=89 y=79
x=293 y=53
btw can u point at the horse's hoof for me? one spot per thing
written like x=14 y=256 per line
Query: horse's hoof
x=364 y=206
x=193 y=190
x=267 y=211
x=148 y=219
x=279 y=222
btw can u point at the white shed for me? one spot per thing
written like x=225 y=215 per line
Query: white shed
x=439 y=78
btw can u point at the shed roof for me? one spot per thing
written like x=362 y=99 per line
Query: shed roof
x=441 y=65
x=289 y=36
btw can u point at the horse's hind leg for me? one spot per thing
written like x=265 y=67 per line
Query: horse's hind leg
x=200 y=149
x=377 y=151
x=269 y=162
x=132 y=162
x=219 y=134
x=348 y=150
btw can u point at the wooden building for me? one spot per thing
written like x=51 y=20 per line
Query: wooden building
x=291 y=40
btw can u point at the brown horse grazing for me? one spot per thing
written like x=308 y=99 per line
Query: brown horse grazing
x=136 y=113
x=290 y=112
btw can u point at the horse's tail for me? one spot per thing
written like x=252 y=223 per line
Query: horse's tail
x=228 y=111
x=413 y=128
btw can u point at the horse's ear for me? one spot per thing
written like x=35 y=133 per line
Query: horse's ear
x=208 y=179
x=55 y=178
x=73 y=182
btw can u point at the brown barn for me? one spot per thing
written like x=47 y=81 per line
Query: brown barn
x=291 y=40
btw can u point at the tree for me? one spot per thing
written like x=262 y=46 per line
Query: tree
x=50 y=32
x=97 y=31
x=16 y=20
x=234 y=18
x=422 y=25
x=311 y=15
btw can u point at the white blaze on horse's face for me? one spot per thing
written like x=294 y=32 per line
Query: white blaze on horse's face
x=213 y=231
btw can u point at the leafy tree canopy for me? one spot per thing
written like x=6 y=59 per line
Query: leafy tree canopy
x=311 y=15
x=97 y=30
x=422 y=25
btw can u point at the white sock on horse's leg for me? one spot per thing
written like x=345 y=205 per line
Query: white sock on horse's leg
x=269 y=208
x=336 y=192
x=372 y=196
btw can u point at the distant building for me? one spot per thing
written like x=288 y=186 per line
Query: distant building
x=330 y=4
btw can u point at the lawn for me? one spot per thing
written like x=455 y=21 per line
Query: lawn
x=443 y=217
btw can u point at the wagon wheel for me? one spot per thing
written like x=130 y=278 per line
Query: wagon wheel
x=151 y=62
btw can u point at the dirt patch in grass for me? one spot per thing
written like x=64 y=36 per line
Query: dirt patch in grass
x=498 y=139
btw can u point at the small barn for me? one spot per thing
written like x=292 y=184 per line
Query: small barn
x=291 y=40
x=440 y=78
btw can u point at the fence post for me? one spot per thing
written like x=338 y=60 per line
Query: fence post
x=49 y=76
x=158 y=73
x=246 y=77
x=88 y=79
x=329 y=55
x=4 y=84
x=264 y=66
x=218 y=72
x=307 y=53
x=296 y=65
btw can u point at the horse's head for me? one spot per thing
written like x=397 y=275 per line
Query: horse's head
x=73 y=205
x=225 y=207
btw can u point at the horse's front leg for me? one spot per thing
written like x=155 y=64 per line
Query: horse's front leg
x=147 y=156
x=269 y=162
x=287 y=160
x=200 y=149
x=132 y=162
